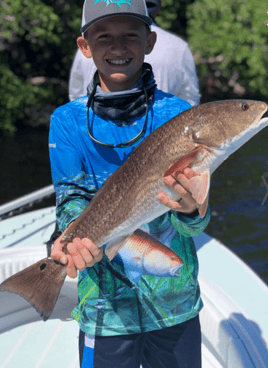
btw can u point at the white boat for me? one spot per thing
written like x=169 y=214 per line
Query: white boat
x=234 y=319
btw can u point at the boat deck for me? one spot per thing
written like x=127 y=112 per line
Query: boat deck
x=234 y=318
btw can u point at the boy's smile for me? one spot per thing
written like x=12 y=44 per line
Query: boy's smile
x=118 y=45
x=119 y=62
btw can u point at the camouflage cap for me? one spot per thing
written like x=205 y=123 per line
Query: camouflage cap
x=95 y=10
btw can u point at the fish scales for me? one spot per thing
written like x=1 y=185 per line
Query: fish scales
x=128 y=198
x=133 y=188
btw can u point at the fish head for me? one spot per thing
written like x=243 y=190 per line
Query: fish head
x=220 y=128
x=163 y=262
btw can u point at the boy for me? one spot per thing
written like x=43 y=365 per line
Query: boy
x=172 y=62
x=155 y=323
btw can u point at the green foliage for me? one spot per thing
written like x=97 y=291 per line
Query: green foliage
x=15 y=95
x=173 y=16
x=229 y=39
x=37 y=44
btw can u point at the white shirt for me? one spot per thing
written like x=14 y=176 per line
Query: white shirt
x=172 y=62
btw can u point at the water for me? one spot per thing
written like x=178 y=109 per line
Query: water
x=239 y=216
x=239 y=220
x=24 y=163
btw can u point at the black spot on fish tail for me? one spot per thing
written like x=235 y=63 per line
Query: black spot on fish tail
x=39 y=284
x=43 y=266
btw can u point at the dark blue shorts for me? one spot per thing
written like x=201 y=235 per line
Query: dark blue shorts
x=178 y=346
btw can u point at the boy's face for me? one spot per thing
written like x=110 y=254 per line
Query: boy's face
x=118 y=45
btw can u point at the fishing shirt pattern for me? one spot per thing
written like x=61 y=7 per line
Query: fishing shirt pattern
x=110 y=301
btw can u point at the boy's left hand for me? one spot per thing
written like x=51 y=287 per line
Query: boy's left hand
x=180 y=183
x=82 y=253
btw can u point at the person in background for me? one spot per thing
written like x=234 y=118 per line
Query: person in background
x=171 y=60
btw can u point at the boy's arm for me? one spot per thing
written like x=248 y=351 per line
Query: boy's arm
x=74 y=189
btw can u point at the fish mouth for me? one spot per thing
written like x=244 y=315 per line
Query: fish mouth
x=233 y=144
x=175 y=270
x=259 y=123
x=259 y=120
x=263 y=121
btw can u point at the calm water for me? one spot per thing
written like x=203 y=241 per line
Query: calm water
x=239 y=219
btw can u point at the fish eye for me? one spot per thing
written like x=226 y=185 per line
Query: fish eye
x=43 y=266
x=173 y=257
x=245 y=106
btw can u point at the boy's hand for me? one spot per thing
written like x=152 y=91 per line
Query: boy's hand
x=181 y=185
x=82 y=253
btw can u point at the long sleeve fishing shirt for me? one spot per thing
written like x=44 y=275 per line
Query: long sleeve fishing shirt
x=111 y=303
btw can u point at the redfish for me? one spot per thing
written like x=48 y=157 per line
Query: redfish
x=200 y=138
x=144 y=255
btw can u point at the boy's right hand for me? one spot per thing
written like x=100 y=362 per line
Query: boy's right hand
x=82 y=253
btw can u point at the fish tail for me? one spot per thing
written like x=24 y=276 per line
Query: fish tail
x=39 y=284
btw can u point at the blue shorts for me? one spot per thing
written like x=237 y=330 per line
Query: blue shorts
x=177 y=346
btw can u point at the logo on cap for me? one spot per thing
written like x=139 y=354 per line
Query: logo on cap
x=118 y=2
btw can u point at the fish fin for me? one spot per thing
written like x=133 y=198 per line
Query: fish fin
x=114 y=247
x=184 y=161
x=179 y=166
x=200 y=186
x=39 y=284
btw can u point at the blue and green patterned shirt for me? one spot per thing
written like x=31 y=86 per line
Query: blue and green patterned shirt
x=109 y=302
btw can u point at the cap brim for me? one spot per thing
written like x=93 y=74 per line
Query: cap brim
x=144 y=18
